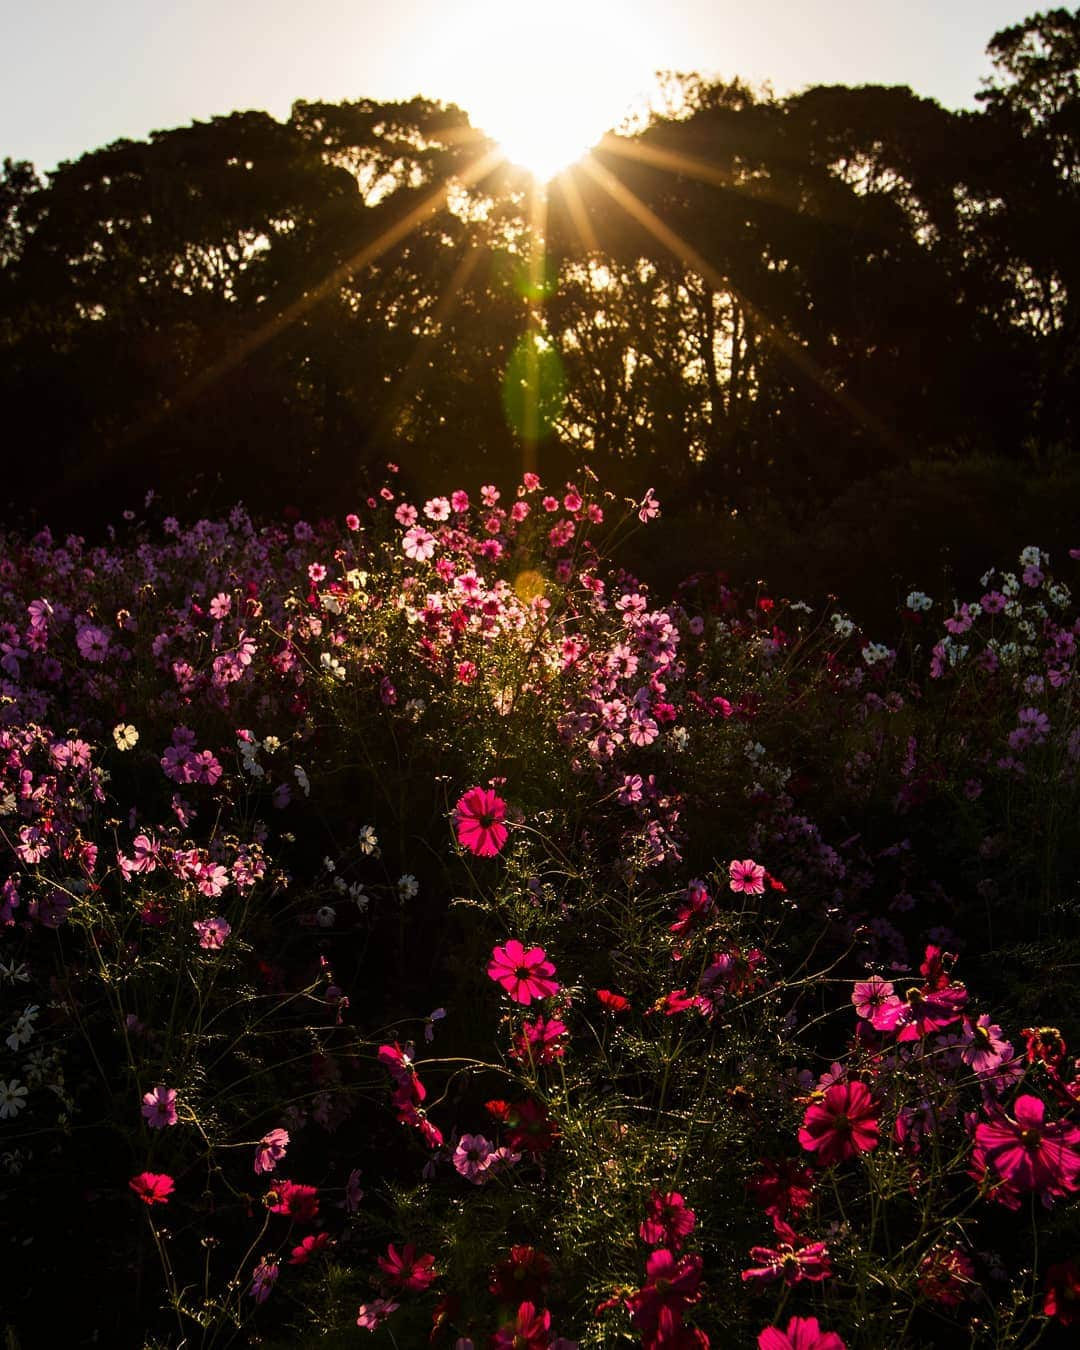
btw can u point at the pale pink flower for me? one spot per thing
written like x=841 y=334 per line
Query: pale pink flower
x=159 y=1107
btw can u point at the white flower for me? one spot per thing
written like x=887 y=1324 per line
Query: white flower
x=842 y=625
x=1059 y=594
x=1013 y=609
x=1009 y=584
x=332 y=666
x=368 y=840
x=356 y=892
x=24 y=1028
x=680 y=738
x=325 y=916
x=874 y=652
x=754 y=751
x=331 y=603
x=271 y=744
x=125 y=736
x=408 y=886
x=1030 y=556
x=302 y=779
x=918 y=601
x=16 y=974
x=800 y=607
x=12 y=1098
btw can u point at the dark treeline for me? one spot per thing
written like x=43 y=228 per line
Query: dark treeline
x=755 y=303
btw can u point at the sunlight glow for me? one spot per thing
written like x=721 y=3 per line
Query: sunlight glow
x=546 y=80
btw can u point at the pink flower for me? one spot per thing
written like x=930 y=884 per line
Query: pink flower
x=405 y=1269
x=152 y=1188
x=524 y=975
x=869 y=995
x=669 y=1220
x=803 y=1333
x=270 y=1150
x=159 y=1107
x=670 y=1286
x=1027 y=1153
x=842 y=1124
x=793 y=1260
x=1063 y=1290
x=374 y=1314
x=530 y=1330
x=471 y=1157
x=479 y=817
x=649 y=508
x=212 y=932
x=747 y=876
x=418 y=544
x=540 y=1042
x=947 y=1276
x=92 y=642
x=309 y=1247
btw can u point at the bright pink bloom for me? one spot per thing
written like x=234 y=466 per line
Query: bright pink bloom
x=479 y=817
x=669 y=1220
x=540 y=1042
x=159 y=1107
x=670 y=1286
x=152 y=1188
x=270 y=1150
x=746 y=876
x=1027 y=1153
x=803 y=1333
x=841 y=1124
x=405 y=1269
x=530 y=1330
x=524 y=975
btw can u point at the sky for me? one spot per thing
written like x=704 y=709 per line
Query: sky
x=78 y=76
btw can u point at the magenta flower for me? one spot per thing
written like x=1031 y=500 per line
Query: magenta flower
x=803 y=1333
x=159 y=1107
x=540 y=1042
x=746 y=876
x=405 y=1269
x=524 y=975
x=479 y=817
x=471 y=1157
x=669 y=1221
x=841 y=1124
x=1027 y=1153
x=270 y=1150
x=152 y=1188
x=212 y=932
x=792 y=1260
x=530 y=1330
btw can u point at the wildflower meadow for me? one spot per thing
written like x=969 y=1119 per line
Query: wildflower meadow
x=415 y=929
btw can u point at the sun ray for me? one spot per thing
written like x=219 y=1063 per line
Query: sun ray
x=690 y=257
x=252 y=342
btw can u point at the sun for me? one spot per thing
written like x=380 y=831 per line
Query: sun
x=546 y=80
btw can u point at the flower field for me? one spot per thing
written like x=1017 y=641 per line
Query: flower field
x=415 y=930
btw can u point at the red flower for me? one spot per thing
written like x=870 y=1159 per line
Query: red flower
x=803 y=1333
x=947 y=1276
x=842 y=1124
x=524 y=975
x=152 y=1188
x=782 y=1188
x=311 y=1245
x=670 y=1286
x=405 y=1269
x=1063 y=1292
x=1027 y=1153
x=615 y=1003
x=297 y=1202
x=530 y=1330
x=479 y=817
x=529 y=1128
x=523 y=1276
x=669 y=1220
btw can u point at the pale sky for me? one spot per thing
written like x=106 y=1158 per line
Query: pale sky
x=79 y=74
